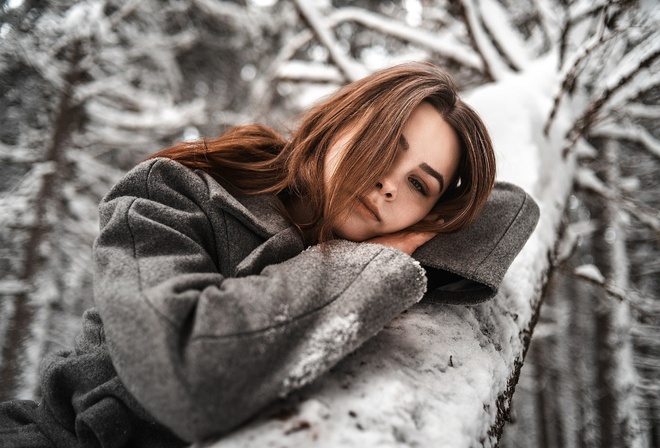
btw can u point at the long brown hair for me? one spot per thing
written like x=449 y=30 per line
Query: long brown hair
x=254 y=159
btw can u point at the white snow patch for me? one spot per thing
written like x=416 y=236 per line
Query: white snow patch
x=5 y=29
x=317 y=352
x=413 y=12
x=498 y=23
x=514 y=110
x=591 y=272
x=263 y=3
x=13 y=4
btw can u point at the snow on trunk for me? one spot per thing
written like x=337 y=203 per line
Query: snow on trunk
x=622 y=375
x=444 y=375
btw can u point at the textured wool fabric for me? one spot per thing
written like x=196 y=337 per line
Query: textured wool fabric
x=209 y=307
x=468 y=267
x=212 y=310
x=84 y=403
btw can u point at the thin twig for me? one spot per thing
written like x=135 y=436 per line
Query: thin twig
x=647 y=308
x=588 y=117
x=445 y=45
x=350 y=69
x=470 y=26
x=587 y=181
x=632 y=132
x=570 y=22
x=570 y=75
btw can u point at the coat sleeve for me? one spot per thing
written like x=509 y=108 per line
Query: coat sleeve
x=203 y=352
x=467 y=267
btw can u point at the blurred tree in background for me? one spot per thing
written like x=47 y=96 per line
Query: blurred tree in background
x=89 y=88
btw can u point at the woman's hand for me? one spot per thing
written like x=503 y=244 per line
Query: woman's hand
x=406 y=242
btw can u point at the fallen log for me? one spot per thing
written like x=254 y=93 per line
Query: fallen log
x=444 y=375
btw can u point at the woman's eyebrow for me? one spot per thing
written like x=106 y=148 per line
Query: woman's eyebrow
x=428 y=170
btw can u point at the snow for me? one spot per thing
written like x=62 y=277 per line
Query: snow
x=312 y=71
x=646 y=79
x=496 y=19
x=414 y=11
x=624 y=377
x=315 y=353
x=13 y=4
x=495 y=64
x=590 y=271
x=632 y=59
x=165 y=115
x=629 y=132
x=442 y=43
x=642 y=110
x=436 y=375
x=263 y=3
x=5 y=29
x=520 y=153
x=350 y=68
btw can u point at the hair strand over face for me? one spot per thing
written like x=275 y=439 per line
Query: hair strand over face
x=253 y=159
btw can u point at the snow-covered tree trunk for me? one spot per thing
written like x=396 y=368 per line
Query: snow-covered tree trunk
x=47 y=212
x=445 y=375
x=624 y=376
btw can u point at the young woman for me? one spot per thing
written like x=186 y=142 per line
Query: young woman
x=231 y=271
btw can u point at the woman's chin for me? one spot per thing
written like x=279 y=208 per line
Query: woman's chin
x=353 y=234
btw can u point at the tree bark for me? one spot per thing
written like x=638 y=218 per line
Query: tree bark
x=19 y=330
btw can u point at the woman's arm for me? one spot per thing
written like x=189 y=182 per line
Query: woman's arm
x=202 y=352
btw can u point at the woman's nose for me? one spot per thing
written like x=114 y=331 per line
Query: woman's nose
x=387 y=188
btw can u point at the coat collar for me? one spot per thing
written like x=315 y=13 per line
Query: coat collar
x=259 y=213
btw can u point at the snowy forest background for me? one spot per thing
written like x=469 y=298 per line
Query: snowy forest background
x=89 y=88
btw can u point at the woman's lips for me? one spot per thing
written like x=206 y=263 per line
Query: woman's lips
x=368 y=208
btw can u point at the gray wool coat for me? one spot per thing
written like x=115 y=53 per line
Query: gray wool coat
x=209 y=307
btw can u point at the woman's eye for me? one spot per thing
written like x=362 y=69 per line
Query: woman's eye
x=418 y=185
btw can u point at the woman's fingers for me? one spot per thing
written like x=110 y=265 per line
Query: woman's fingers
x=423 y=237
x=407 y=242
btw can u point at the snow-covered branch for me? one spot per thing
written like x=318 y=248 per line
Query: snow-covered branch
x=640 y=110
x=586 y=9
x=494 y=66
x=591 y=274
x=262 y=90
x=28 y=51
x=579 y=12
x=570 y=240
x=350 y=68
x=505 y=38
x=648 y=330
x=645 y=81
x=547 y=18
x=635 y=62
x=309 y=71
x=116 y=88
x=588 y=181
x=124 y=10
x=10 y=287
x=169 y=116
x=17 y=154
x=628 y=131
x=444 y=44
x=570 y=73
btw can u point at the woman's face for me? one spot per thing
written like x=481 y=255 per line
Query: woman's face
x=427 y=161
